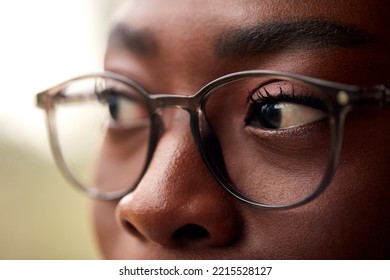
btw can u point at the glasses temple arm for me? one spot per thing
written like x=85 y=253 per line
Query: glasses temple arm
x=44 y=97
x=379 y=95
x=386 y=95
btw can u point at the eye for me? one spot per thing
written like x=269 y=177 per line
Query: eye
x=124 y=110
x=284 y=115
x=280 y=106
x=120 y=108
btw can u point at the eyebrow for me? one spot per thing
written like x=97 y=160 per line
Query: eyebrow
x=274 y=37
x=141 y=41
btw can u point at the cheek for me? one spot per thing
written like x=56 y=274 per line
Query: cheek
x=328 y=228
x=302 y=233
x=351 y=219
x=365 y=153
x=357 y=201
x=106 y=229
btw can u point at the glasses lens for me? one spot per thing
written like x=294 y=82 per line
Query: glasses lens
x=102 y=129
x=272 y=138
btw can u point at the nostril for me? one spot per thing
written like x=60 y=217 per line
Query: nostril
x=132 y=229
x=190 y=232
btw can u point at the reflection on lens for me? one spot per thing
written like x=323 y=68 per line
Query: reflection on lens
x=103 y=137
x=273 y=136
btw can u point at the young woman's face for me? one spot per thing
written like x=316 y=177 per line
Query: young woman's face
x=178 y=210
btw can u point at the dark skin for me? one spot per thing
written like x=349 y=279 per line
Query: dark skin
x=178 y=210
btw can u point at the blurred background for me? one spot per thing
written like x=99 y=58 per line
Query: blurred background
x=42 y=43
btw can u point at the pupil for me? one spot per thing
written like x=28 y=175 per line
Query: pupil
x=270 y=115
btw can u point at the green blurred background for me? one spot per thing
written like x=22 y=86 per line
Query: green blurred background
x=42 y=43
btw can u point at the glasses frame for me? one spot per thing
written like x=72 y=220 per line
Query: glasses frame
x=342 y=97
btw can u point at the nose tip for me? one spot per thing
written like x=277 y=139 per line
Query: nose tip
x=187 y=234
x=195 y=224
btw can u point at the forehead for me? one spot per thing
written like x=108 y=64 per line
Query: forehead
x=193 y=28
x=193 y=20
x=235 y=12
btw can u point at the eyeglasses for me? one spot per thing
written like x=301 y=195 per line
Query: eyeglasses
x=271 y=139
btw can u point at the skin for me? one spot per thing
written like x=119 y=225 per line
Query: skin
x=178 y=210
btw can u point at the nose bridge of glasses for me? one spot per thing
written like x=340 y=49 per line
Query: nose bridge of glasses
x=184 y=102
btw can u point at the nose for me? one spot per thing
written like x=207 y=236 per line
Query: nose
x=178 y=203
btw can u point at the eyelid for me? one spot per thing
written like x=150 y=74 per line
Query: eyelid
x=303 y=96
x=113 y=91
x=311 y=101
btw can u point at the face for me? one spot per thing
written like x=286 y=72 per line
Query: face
x=178 y=210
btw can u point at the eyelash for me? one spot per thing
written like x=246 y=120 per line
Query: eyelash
x=282 y=96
